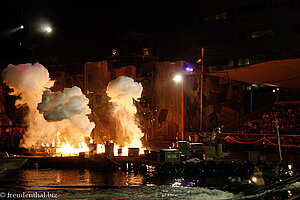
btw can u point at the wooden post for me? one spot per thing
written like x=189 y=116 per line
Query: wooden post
x=201 y=91
x=93 y=131
x=182 y=104
x=85 y=80
x=278 y=140
x=251 y=98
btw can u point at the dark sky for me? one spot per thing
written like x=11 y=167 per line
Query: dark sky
x=86 y=30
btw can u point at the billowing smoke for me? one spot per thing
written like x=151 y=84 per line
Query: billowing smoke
x=57 y=106
x=68 y=109
x=122 y=91
x=28 y=80
x=65 y=114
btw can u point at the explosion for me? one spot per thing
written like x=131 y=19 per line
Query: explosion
x=59 y=120
x=68 y=110
x=63 y=112
x=122 y=91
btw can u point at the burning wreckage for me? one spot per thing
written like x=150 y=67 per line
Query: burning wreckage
x=57 y=123
x=60 y=120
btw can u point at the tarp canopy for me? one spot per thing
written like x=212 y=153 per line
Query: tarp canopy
x=278 y=73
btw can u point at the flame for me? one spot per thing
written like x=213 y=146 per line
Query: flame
x=64 y=148
x=124 y=150
x=142 y=151
x=67 y=149
x=101 y=149
x=53 y=143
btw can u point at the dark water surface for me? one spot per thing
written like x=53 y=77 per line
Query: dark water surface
x=92 y=184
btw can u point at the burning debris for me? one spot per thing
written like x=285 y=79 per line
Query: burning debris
x=63 y=112
x=59 y=120
x=122 y=91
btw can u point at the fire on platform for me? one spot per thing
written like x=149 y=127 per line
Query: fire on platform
x=62 y=147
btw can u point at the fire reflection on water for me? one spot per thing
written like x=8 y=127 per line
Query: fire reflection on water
x=45 y=179
x=66 y=177
x=58 y=177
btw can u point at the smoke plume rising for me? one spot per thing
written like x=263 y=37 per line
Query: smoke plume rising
x=64 y=111
x=122 y=91
x=28 y=80
x=57 y=106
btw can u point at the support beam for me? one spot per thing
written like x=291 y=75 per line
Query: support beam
x=201 y=91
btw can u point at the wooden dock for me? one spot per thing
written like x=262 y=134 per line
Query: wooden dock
x=99 y=161
x=136 y=160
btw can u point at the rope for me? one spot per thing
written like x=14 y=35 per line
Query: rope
x=232 y=140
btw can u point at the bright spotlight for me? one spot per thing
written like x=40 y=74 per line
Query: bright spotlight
x=21 y=26
x=48 y=29
x=254 y=179
x=189 y=69
x=199 y=60
x=177 y=78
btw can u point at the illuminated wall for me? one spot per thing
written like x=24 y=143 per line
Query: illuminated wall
x=159 y=110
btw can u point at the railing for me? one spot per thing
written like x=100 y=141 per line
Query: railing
x=287 y=102
x=260 y=139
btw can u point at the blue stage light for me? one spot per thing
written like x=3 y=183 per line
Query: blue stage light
x=188 y=69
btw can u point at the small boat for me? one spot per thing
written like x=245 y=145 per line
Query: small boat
x=256 y=183
x=11 y=163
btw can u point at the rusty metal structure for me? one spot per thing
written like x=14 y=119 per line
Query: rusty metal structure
x=160 y=107
x=167 y=111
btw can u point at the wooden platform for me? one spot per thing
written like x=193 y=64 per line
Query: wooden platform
x=99 y=162
x=126 y=159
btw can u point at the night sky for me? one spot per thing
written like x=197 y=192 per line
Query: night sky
x=87 y=30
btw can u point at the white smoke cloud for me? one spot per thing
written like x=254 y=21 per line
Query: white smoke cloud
x=68 y=109
x=122 y=91
x=65 y=110
x=57 y=106
x=28 y=80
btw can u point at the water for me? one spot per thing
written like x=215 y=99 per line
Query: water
x=93 y=184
